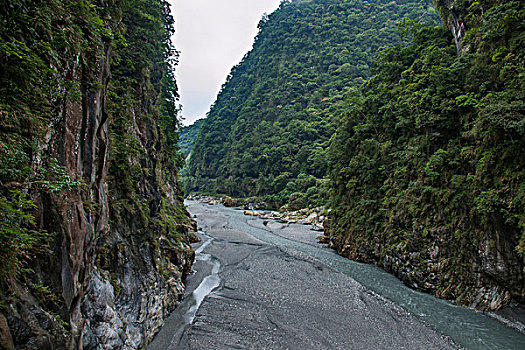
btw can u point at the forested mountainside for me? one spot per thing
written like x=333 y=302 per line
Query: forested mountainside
x=427 y=166
x=267 y=133
x=94 y=236
x=188 y=135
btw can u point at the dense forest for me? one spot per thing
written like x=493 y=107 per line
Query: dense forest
x=427 y=165
x=267 y=133
x=94 y=237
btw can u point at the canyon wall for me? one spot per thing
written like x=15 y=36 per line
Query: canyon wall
x=427 y=167
x=117 y=236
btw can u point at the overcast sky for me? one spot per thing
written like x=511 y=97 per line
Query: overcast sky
x=212 y=36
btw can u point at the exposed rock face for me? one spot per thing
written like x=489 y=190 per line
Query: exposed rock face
x=112 y=275
x=486 y=274
x=454 y=22
x=80 y=141
x=438 y=265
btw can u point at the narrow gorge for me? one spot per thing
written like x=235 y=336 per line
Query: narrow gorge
x=396 y=127
x=413 y=137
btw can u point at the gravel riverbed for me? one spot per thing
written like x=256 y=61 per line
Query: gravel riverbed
x=277 y=298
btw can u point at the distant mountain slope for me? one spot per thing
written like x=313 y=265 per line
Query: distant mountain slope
x=273 y=117
x=188 y=135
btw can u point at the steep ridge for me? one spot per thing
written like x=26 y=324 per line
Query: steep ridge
x=272 y=120
x=427 y=166
x=94 y=234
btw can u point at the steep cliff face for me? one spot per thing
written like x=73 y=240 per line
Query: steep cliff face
x=98 y=175
x=450 y=13
x=427 y=168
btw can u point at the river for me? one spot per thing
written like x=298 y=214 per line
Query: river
x=268 y=285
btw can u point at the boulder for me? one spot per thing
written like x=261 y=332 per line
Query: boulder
x=323 y=239
x=312 y=218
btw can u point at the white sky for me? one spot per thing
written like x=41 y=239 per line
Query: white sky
x=212 y=36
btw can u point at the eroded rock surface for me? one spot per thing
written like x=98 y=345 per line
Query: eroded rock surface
x=120 y=249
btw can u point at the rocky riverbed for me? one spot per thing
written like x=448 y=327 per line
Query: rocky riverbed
x=316 y=217
x=278 y=288
x=278 y=298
